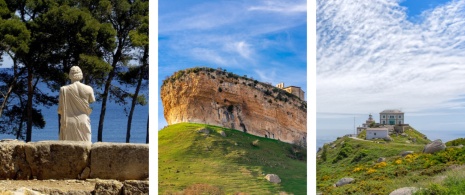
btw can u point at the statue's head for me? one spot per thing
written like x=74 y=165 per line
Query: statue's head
x=75 y=74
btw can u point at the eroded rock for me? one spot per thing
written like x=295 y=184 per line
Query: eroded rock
x=135 y=187
x=108 y=187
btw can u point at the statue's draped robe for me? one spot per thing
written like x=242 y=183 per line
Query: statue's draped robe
x=74 y=110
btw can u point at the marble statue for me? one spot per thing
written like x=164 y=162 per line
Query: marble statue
x=74 y=109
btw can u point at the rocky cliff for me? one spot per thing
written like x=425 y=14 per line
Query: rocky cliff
x=216 y=97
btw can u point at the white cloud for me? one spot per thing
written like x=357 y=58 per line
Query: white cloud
x=208 y=55
x=281 y=7
x=371 y=58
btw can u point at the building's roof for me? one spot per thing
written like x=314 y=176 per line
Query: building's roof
x=391 y=111
x=377 y=129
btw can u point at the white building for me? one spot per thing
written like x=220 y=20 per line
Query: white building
x=373 y=133
x=391 y=117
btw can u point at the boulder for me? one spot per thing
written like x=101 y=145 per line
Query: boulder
x=204 y=130
x=405 y=153
x=135 y=187
x=344 y=181
x=381 y=159
x=388 y=139
x=434 y=147
x=273 y=178
x=404 y=191
x=57 y=159
x=119 y=161
x=108 y=187
x=222 y=133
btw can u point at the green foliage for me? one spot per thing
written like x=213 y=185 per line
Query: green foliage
x=456 y=142
x=345 y=151
x=358 y=159
x=14 y=35
x=359 y=156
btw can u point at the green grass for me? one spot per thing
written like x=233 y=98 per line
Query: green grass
x=229 y=164
x=347 y=157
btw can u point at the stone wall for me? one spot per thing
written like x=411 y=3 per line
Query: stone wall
x=219 y=98
x=73 y=160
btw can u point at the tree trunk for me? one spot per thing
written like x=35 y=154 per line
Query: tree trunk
x=12 y=84
x=147 y=136
x=29 y=105
x=136 y=94
x=133 y=104
x=111 y=75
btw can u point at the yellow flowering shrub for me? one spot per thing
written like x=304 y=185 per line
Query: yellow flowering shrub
x=357 y=169
x=371 y=170
x=380 y=165
x=398 y=161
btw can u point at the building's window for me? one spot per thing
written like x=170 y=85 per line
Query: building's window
x=375 y=133
x=391 y=116
x=384 y=122
x=384 y=116
x=400 y=122
x=400 y=116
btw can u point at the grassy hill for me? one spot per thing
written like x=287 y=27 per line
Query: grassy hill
x=192 y=161
x=357 y=158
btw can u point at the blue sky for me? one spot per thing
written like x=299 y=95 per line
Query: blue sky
x=262 y=39
x=384 y=54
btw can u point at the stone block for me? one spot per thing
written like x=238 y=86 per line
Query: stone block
x=57 y=159
x=13 y=163
x=119 y=161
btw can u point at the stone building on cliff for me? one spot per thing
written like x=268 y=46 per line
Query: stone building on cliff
x=297 y=91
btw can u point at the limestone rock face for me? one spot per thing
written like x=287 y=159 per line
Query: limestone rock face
x=273 y=178
x=57 y=159
x=119 y=161
x=434 y=146
x=218 y=98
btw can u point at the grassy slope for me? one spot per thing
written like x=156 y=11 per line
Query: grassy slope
x=230 y=163
x=357 y=159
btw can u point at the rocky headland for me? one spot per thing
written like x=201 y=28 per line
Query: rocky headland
x=216 y=97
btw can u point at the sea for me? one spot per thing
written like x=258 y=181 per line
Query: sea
x=326 y=135
x=114 y=127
